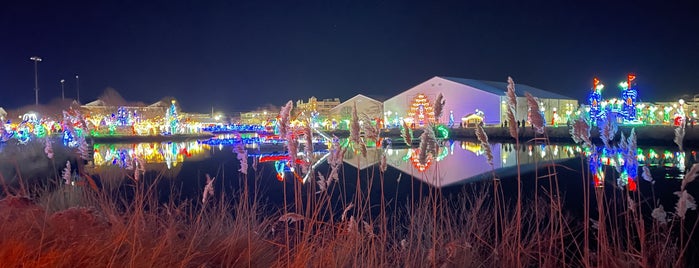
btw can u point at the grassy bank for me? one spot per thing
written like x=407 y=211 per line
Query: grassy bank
x=130 y=225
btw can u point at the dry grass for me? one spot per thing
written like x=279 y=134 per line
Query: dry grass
x=78 y=226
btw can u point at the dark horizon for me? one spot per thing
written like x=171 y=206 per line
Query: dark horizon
x=242 y=55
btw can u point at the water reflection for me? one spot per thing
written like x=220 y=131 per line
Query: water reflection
x=463 y=161
x=169 y=154
x=454 y=161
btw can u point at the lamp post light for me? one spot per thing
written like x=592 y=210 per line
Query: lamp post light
x=36 y=60
x=63 y=92
x=77 y=87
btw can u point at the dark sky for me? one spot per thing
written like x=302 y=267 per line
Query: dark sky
x=237 y=55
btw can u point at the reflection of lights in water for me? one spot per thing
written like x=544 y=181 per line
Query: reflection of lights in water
x=443 y=152
x=542 y=151
x=681 y=161
x=472 y=147
x=414 y=159
x=169 y=153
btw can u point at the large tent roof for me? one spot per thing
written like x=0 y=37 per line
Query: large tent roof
x=499 y=88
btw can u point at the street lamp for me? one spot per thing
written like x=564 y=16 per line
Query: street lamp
x=36 y=60
x=77 y=86
x=63 y=92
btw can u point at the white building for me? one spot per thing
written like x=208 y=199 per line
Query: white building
x=466 y=97
x=371 y=108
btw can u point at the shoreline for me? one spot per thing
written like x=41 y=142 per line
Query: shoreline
x=645 y=135
x=149 y=138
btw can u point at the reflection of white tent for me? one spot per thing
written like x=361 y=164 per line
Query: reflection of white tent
x=465 y=161
x=450 y=166
x=3 y=114
x=357 y=160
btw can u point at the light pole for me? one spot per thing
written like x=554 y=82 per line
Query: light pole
x=63 y=92
x=77 y=86
x=36 y=60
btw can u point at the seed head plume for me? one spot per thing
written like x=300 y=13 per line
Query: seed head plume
x=344 y=212
x=292 y=145
x=356 y=140
x=645 y=174
x=308 y=147
x=383 y=164
x=3 y=132
x=371 y=131
x=242 y=156
x=83 y=152
x=138 y=169
x=512 y=108
x=631 y=141
x=67 y=174
x=48 y=148
x=208 y=188
x=679 y=136
x=337 y=153
x=581 y=131
x=628 y=151
x=608 y=132
x=354 y=125
x=684 y=203
x=690 y=176
x=439 y=106
x=284 y=116
x=422 y=155
x=483 y=138
x=407 y=134
x=428 y=144
x=291 y=217
x=323 y=183
x=660 y=215
x=431 y=140
x=535 y=117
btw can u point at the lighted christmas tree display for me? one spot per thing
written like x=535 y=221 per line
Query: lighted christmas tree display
x=122 y=117
x=629 y=95
x=171 y=118
x=595 y=98
x=421 y=111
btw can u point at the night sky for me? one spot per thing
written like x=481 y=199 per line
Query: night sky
x=238 y=55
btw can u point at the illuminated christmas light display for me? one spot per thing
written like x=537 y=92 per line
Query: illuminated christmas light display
x=236 y=128
x=421 y=111
x=172 y=119
x=629 y=94
x=168 y=153
x=415 y=160
x=595 y=98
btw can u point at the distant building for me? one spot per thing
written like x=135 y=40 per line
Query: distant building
x=207 y=118
x=258 y=117
x=102 y=108
x=467 y=97
x=322 y=107
x=366 y=107
x=3 y=114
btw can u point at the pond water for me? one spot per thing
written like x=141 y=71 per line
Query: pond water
x=456 y=165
